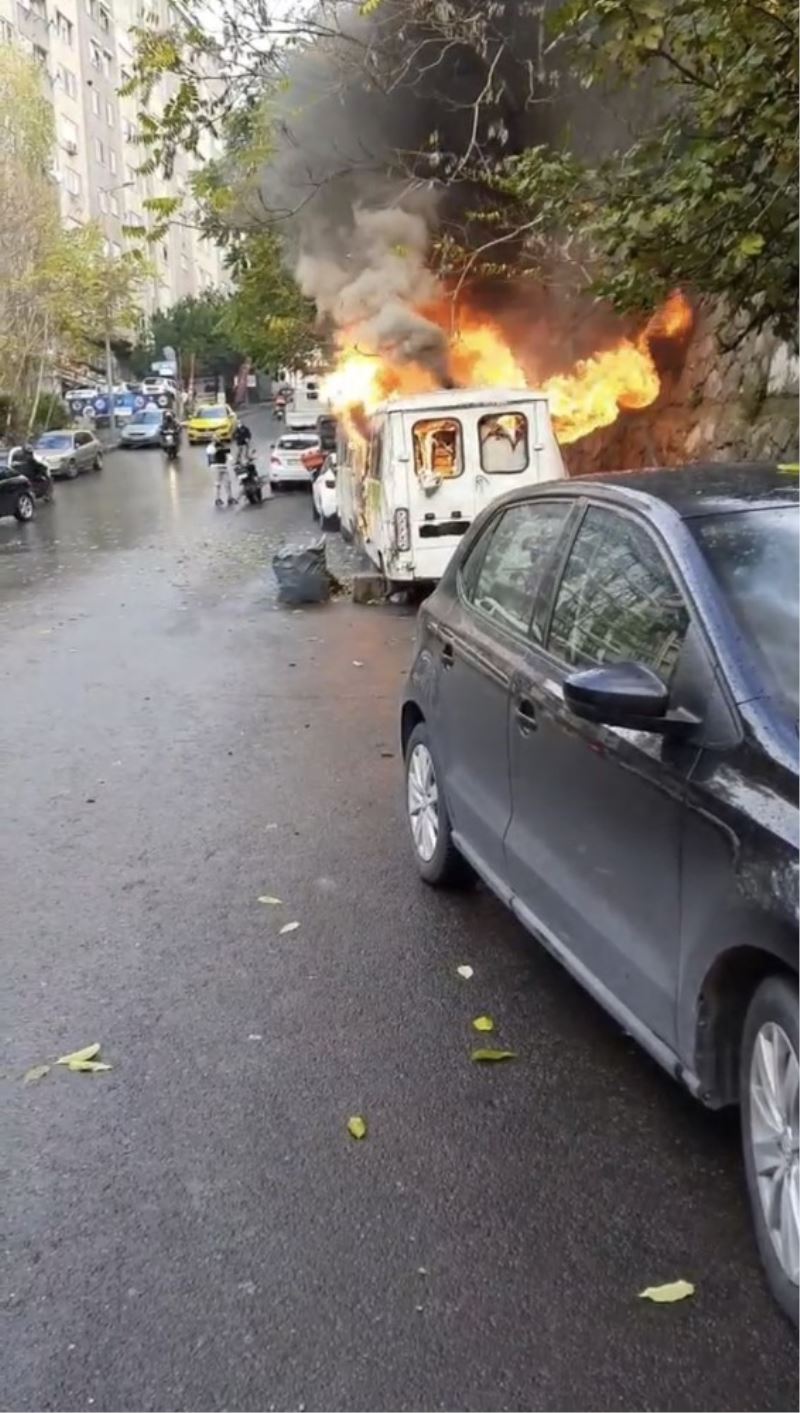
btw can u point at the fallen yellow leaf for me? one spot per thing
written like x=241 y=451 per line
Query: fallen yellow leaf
x=273 y=902
x=356 y=1126
x=86 y=1054
x=493 y=1055
x=87 y=1066
x=483 y=1023
x=34 y=1073
x=667 y=1294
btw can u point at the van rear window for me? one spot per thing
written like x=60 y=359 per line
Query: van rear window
x=438 y=448
x=503 y=440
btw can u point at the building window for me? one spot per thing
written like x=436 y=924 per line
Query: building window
x=112 y=162
x=124 y=76
x=95 y=55
x=130 y=175
x=72 y=181
x=107 y=61
x=109 y=114
x=99 y=152
x=104 y=18
x=40 y=55
x=113 y=204
x=37 y=8
x=95 y=103
x=102 y=200
x=64 y=28
x=6 y=32
x=69 y=134
x=66 y=78
x=91 y=8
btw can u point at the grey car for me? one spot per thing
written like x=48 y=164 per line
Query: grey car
x=601 y=722
x=142 y=429
x=68 y=452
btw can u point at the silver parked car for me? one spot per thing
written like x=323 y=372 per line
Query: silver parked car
x=68 y=452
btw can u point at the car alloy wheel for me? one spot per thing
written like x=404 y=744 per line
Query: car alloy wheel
x=774 y=1082
x=25 y=508
x=423 y=802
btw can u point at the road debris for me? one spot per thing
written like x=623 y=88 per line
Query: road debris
x=669 y=1293
x=484 y=1023
x=84 y=1061
x=272 y=902
x=356 y=1126
x=289 y=927
x=479 y=1056
x=466 y=972
x=35 y=1072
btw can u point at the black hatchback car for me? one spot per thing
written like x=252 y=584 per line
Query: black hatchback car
x=601 y=722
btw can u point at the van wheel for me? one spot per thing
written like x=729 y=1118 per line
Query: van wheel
x=437 y=857
x=768 y=1095
x=330 y=522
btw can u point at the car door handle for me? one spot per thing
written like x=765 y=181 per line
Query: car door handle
x=447 y=654
x=526 y=716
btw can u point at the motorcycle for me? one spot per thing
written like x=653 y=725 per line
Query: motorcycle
x=279 y=411
x=169 y=441
x=250 y=483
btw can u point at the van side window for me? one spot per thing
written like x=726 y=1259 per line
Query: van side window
x=438 y=448
x=375 y=455
x=503 y=441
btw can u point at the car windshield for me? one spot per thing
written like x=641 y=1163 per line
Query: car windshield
x=755 y=557
x=212 y=414
x=55 y=441
x=297 y=443
x=145 y=416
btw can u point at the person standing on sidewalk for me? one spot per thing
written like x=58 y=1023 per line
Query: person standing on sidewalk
x=220 y=459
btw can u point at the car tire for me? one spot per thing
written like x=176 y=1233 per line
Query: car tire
x=768 y=1099
x=24 y=507
x=97 y=464
x=276 y=485
x=72 y=469
x=436 y=856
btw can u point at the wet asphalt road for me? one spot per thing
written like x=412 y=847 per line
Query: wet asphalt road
x=195 y=1229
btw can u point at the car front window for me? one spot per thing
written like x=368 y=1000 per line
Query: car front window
x=754 y=556
x=54 y=441
x=520 y=544
x=617 y=600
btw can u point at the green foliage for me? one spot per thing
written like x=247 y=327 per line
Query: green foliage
x=194 y=328
x=267 y=316
x=707 y=197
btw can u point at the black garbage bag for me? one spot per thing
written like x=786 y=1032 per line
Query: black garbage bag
x=302 y=573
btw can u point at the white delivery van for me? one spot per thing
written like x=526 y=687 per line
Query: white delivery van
x=411 y=485
x=306 y=404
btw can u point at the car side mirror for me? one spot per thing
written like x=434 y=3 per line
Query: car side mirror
x=626 y=694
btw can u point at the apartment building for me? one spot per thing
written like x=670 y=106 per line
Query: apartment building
x=85 y=51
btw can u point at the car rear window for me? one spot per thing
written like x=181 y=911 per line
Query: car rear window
x=145 y=416
x=297 y=443
x=755 y=557
x=212 y=414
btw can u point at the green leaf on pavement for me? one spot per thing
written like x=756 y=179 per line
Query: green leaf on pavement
x=88 y=1053
x=356 y=1126
x=484 y=1023
x=34 y=1073
x=88 y=1066
x=669 y=1293
x=481 y=1055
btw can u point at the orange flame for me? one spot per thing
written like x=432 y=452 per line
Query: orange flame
x=621 y=378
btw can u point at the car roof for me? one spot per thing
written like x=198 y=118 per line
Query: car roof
x=706 y=488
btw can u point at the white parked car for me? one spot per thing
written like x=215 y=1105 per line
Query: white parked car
x=286 y=458
x=323 y=495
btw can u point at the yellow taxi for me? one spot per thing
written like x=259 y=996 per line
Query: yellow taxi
x=207 y=421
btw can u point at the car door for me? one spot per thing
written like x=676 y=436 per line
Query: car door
x=83 y=456
x=482 y=646
x=593 y=845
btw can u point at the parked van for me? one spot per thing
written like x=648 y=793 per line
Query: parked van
x=412 y=484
